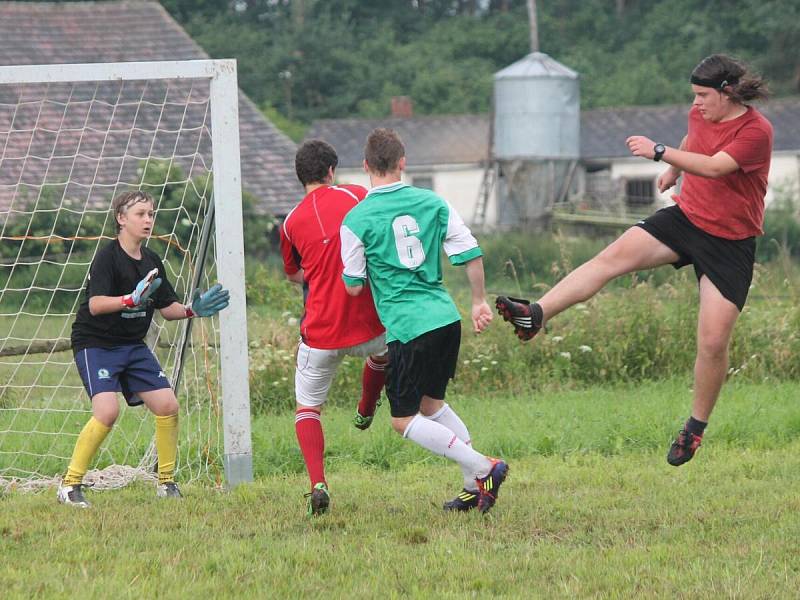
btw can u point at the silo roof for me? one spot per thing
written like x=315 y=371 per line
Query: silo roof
x=536 y=64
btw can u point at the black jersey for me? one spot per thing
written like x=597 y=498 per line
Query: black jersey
x=115 y=273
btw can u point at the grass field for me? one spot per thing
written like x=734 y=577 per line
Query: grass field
x=590 y=510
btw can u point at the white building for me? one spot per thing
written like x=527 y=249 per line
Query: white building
x=449 y=154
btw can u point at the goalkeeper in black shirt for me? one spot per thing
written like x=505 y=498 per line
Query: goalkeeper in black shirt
x=126 y=283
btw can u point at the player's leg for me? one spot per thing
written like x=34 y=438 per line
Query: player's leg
x=443 y=413
x=489 y=473
x=716 y=319
x=313 y=377
x=373 y=379
x=144 y=382
x=105 y=409
x=634 y=250
x=164 y=406
x=99 y=370
x=426 y=364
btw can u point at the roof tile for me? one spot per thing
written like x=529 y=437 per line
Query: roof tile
x=85 y=32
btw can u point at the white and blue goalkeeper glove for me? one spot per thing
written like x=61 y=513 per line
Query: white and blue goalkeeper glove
x=208 y=303
x=144 y=289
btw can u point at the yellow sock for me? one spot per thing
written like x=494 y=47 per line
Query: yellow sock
x=92 y=435
x=166 y=446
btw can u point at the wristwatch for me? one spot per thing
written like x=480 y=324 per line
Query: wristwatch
x=658 y=151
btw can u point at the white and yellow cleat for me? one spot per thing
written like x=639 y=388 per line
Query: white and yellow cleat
x=72 y=495
x=168 y=490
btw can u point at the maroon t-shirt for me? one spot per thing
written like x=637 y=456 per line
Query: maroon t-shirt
x=731 y=206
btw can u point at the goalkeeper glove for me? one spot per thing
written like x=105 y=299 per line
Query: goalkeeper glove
x=144 y=289
x=208 y=303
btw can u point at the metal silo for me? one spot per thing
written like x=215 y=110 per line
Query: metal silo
x=536 y=142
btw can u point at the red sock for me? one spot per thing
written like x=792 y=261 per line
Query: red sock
x=308 y=427
x=371 y=385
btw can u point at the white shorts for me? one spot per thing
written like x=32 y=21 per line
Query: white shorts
x=316 y=368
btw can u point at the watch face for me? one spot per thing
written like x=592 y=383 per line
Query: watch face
x=660 y=148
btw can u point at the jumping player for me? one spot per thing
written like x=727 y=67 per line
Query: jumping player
x=724 y=163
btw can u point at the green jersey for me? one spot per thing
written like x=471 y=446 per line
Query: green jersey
x=393 y=238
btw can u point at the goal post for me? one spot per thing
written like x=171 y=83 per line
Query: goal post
x=230 y=260
x=172 y=128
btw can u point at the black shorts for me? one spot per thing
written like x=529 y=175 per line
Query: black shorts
x=421 y=367
x=728 y=264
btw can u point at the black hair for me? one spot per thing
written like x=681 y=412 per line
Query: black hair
x=313 y=160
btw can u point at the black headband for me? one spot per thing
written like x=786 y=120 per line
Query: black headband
x=717 y=84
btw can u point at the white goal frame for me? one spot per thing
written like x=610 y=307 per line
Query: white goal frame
x=229 y=238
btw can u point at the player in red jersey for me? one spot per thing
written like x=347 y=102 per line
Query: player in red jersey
x=334 y=324
x=724 y=163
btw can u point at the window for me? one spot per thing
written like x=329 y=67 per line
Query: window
x=640 y=192
x=422 y=181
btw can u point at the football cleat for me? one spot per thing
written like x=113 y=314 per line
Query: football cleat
x=361 y=422
x=683 y=448
x=466 y=500
x=318 y=500
x=489 y=486
x=168 y=490
x=519 y=313
x=72 y=495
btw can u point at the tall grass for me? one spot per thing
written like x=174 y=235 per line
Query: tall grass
x=641 y=328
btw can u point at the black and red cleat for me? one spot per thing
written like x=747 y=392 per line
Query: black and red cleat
x=465 y=501
x=489 y=486
x=521 y=314
x=683 y=448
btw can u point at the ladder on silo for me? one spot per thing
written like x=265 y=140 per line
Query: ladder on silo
x=489 y=176
x=484 y=194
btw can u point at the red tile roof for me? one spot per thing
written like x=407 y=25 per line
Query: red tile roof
x=85 y=32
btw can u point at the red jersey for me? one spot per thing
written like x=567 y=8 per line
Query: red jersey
x=731 y=206
x=310 y=241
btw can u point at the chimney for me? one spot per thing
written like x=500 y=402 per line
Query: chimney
x=402 y=107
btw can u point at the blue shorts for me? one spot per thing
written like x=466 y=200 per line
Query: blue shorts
x=127 y=369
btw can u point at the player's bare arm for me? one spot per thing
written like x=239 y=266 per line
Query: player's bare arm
x=354 y=290
x=481 y=313
x=714 y=166
x=296 y=277
x=670 y=177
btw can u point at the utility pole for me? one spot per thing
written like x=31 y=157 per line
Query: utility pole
x=534 y=25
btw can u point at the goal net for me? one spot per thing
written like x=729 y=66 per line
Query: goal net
x=71 y=138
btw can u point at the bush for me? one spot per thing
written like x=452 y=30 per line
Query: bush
x=781 y=228
x=626 y=335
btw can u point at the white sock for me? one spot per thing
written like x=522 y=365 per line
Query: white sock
x=442 y=441
x=447 y=416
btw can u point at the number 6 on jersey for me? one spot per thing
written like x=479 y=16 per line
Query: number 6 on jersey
x=409 y=247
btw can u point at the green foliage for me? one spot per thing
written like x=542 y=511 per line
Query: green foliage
x=294 y=129
x=522 y=263
x=641 y=328
x=316 y=59
x=781 y=228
